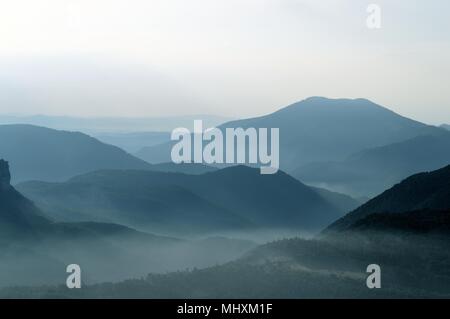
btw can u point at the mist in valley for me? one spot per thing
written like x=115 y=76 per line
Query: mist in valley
x=119 y=257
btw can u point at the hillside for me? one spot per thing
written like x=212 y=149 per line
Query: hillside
x=320 y=129
x=369 y=172
x=430 y=190
x=19 y=218
x=35 y=250
x=38 y=153
x=291 y=268
x=234 y=198
x=428 y=222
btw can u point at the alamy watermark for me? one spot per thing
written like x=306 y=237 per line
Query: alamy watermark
x=74 y=279
x=374 y=19
x=236 y=146
x=374 y=279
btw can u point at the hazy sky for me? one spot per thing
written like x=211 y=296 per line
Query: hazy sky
x=226 y=57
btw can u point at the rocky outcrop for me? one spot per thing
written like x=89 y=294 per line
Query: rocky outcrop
x=5 y=176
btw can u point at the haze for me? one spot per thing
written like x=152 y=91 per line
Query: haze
x=233 y=58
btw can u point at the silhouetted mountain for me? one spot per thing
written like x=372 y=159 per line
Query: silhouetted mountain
x=155 y=154
x=35 y=250
x=19 y=218
x=191 y=168
x=446 y=126
x=114 y=128
x=344 y=202
x=133 y=142
x=38 y=153
x=321 y=129
x=419 y=192
x=371 y=171
x=430 y=222
x=229 y=199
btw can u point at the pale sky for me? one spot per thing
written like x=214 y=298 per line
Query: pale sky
x=234 y=58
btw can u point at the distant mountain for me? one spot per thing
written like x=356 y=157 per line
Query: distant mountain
x=446 y=126
x=133 y=142
x=321 y=129
x=113 y=127
x=344 y=202
x=229 y=199
x=429 y=222
x=424 y=191
x=371 y=171
x=38 y=153
x=194 y=169
x=155 y=154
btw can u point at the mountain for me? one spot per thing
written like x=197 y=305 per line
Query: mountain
x=446 y=126
x=19 y=218
x=133 y=142
x=190 y=168
x=117 y=128
x=426 y=221
x=343 y=202
x=430 y=190
x=413 y=266
x=235 y=198
x=36 y=250
x=321 y=129
x=38 y=153
x=369 y=172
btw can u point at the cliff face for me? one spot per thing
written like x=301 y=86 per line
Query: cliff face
x=5 y=176
x=19 y=218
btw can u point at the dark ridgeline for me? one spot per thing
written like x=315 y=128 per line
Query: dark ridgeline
x=5 y=176
x=234 y=198
x=423 y=191
x=411 y=247
x=19 y=218
x=35 y=250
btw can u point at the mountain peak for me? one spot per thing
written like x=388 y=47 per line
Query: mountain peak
x=5 y=176
x=336 y=101
x=319 y=105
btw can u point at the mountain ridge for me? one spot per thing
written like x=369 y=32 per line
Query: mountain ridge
x=319 y=129
x=426 y=190
x=239 y=194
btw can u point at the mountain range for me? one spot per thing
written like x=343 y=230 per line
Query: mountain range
x=112 y=125
x=420 y=192
x=371 y=171
x=39 y=153
x=393 y=230
x=35 y=250
x=319 y=129
x=232 y=199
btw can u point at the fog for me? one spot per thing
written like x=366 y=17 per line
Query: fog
x=328 y=266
